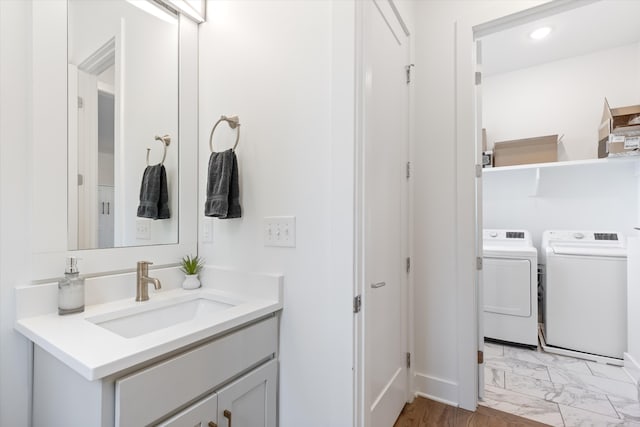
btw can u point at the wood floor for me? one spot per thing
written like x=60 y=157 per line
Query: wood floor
x=428 y=413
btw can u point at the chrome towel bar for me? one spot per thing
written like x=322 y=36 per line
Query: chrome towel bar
x=166 y=140
x=234 y=123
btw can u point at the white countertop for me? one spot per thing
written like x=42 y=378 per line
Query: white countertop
x=96 y=352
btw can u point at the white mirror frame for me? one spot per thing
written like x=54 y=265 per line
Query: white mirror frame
x=49 y=155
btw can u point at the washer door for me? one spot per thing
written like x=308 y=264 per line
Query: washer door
x=507 y=286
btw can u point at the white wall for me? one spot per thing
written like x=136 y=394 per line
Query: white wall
x=435 y=203
x=286 y=69
x=578 y=197
x=561 y=97
x=632 y=355
x=15 y=183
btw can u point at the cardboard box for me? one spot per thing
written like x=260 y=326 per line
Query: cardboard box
x=619 y=132
x=541 y=149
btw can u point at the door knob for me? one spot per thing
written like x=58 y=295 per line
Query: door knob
x=378 y=285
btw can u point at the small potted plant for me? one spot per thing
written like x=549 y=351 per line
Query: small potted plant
x=191 y=266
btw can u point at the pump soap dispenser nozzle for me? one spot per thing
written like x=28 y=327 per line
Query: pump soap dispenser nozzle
x=72 y=265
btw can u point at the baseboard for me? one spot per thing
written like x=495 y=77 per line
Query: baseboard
x=438 y=389
x=632 y=367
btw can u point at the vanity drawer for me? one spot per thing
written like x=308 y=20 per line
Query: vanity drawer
x=153 y=392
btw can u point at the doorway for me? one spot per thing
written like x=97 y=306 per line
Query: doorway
x=548 y=387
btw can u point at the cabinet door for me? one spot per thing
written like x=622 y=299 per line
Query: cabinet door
x=191 y=374
x=250 y=401
x=200 y=414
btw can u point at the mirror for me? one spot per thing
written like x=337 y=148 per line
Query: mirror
x=54 y=160
x=123 y=63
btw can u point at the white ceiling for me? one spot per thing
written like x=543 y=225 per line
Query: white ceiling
x=596 y=26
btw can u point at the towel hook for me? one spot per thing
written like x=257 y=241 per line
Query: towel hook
x=166 y=140
x=234 y=123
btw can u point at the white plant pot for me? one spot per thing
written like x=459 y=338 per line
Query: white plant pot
x=191 y=281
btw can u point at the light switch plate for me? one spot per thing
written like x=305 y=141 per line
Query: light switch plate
x=143 y=229
x=207 y=230
x=280 y=231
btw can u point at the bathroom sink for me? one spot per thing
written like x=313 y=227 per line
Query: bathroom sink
x=142 y=320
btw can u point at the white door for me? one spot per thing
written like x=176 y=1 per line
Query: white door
x=385 y=186
x=500 y=296
x=87 y=160
x=251 y=400
x=201 y=414
x=479 y=226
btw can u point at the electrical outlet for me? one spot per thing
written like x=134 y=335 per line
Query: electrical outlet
x=280 y=231
x=143 y=229
x=207 y=230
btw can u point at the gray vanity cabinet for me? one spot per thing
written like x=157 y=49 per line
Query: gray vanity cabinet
x=227 y=380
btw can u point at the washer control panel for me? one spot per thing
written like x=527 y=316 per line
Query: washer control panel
x=585 y=237
x=606 y=236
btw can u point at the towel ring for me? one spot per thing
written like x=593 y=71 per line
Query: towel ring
x=166 y=140
x=234 y=123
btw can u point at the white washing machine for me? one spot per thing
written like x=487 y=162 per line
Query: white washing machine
x=510 y=271
x=586 y=291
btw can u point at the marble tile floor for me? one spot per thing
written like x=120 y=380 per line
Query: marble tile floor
x=558 y=390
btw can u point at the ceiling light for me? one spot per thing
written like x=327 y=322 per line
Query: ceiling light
x=540 y=33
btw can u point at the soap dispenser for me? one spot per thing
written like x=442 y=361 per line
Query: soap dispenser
x=71 y=289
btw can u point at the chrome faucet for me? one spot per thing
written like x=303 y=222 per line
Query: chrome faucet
x=143 y=280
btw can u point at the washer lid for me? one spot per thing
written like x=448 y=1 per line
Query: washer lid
x=589 y=250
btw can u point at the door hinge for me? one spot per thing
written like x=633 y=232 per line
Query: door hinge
x=480 y=357
x=80 y=179
x=478 y=171
x=80 y=102
x=408 y=69
x=478 y=77
x=408 y=264
x=408 y=360
x=357 y=303
x=408 y=170
x=478 y=263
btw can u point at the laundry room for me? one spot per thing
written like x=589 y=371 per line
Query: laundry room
x=560 y=202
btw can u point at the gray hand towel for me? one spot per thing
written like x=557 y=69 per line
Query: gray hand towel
x=223 y=189
x=154 y=197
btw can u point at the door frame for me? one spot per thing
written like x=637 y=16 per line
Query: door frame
x=360 y=94
x=468 y=201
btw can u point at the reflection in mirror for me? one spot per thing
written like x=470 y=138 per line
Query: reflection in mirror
x=122 y=93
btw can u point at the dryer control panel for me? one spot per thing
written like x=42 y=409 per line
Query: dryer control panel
x=507 y=237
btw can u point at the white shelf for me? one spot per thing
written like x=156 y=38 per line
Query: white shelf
x=570 y=163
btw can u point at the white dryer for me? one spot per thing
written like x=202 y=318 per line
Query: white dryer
x=585 y=291
x=510 y=271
